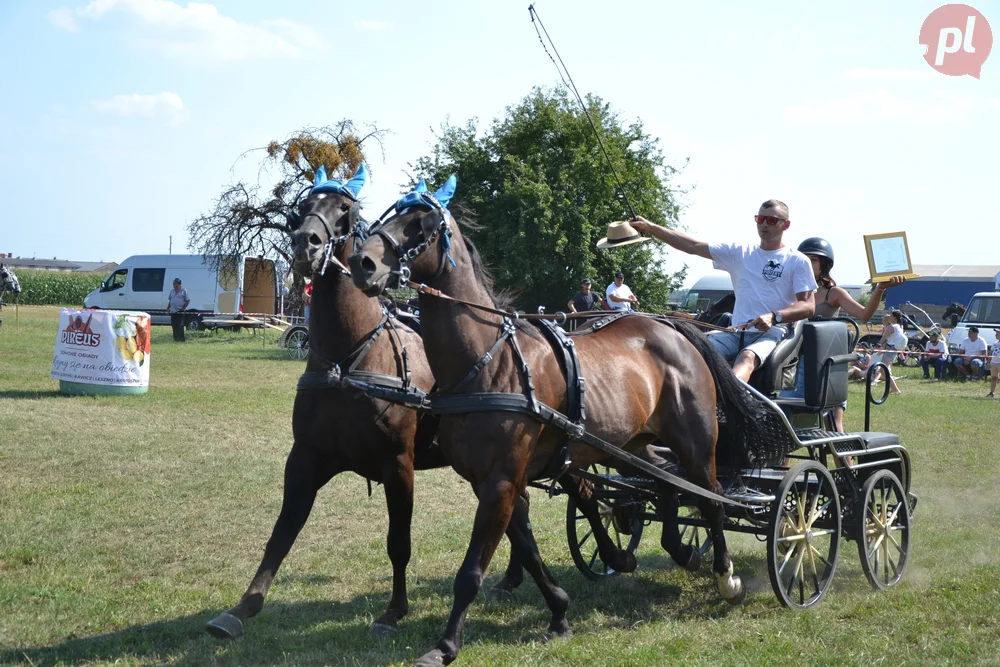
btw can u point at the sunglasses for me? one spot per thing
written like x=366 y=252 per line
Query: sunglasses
x=769 y=219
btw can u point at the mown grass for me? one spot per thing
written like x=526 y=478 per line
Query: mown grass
x=127 y=522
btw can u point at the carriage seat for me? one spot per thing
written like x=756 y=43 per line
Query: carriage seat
x=778 y=370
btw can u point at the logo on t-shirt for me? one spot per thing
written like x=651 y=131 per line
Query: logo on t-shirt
x=772 y=270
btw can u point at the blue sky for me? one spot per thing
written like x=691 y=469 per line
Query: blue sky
x=121 y=120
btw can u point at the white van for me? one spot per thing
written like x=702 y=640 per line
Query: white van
x=984 y=313
x=215 y=286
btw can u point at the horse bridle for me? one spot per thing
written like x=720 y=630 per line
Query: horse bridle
x=358 y=231
x=405 y=256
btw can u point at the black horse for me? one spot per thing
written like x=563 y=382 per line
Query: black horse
x=954 y=311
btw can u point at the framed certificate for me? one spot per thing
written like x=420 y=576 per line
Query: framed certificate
x=888 y=256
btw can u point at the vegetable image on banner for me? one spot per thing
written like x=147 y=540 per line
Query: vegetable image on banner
x=102 y=352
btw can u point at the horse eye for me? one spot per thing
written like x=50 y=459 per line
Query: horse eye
x=345 y=208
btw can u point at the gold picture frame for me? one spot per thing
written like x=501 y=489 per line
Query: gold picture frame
x=888 y=256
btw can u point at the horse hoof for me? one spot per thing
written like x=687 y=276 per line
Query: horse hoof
x=741 y=593
x=630 y=563
x=381 y=630
x=694 y=562
x=431 y=659
x=500 y=595
x=560 y=633
x=225 y=626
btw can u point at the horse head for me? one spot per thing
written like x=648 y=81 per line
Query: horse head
x=8 y=281
x=323 y=222
x=394 y=251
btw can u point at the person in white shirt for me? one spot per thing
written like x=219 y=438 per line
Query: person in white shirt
x=936 y=354
x=994 y=367
x=893 y=340
x=177 y=303
x=619 y=296
x=970 y=355
x=774 y=285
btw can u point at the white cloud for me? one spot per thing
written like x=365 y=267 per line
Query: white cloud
x=63 y=18
x=866 y=74
x=377 y=26
x=197 y=32
x=165 y=106
x=881 y=106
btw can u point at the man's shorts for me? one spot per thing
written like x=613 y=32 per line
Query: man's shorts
x=761 y=343
x=974 y=363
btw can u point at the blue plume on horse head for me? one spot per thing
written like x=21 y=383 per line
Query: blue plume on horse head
x=320 y=178
x=446 y=191
x=351 y=188
x=421 y=185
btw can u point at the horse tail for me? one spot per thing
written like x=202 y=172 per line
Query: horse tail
x=738 y=409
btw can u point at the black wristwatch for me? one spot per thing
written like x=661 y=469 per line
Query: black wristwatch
x=777 y=317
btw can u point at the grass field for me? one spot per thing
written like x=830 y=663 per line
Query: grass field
x=127 y=522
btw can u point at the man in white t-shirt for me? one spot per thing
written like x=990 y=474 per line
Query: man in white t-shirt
x=618 y=295
x=774 y=284
x=970 y=355
x=935 y=354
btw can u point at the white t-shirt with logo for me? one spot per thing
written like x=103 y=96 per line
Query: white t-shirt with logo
x=622 y=292
x=764 y=280
x=939 y=347
x=995 y=351
x=973 y=347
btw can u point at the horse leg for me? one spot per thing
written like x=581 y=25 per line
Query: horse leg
x=685 y=555
x=503 y=591
x=398 y=485
x=523 y=542
x=615 y=557
x=305 y=473
x=730 y=585
x=496 y=504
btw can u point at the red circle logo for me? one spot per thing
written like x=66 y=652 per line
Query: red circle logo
x=957 y=40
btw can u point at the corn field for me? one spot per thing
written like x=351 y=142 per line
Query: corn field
x=54 y=288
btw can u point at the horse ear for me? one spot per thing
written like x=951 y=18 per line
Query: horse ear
x=358 y=180
x=421 y=186
x=320 y=176
x=446 y=191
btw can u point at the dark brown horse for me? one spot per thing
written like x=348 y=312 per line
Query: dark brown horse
x=337 y=429
x=645 y=380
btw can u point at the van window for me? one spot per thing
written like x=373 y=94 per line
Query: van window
x=147 y=280
x=115 y=281
x=983 y=310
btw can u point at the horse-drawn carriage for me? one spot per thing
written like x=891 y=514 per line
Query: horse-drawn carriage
x=819 y=486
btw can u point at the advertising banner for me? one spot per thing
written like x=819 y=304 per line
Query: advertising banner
x=102 y=347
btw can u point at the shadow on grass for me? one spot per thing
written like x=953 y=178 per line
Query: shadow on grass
x=25 y=394
x=337 y=632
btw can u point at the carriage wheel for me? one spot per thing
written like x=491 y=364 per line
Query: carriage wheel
x=696 y=536
x=804 y=536
x=911 y=357
x=297 y=344
x=884 y=530
x=622 y=519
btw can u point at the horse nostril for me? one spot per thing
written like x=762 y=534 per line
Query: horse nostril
x=315 y=240
x=368 y=265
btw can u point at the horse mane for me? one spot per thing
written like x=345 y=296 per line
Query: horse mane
x=501 y=299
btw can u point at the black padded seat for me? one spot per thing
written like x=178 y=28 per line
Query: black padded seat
x=778 y=370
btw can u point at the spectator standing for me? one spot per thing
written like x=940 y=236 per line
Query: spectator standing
x=585 y=299
x=177 y=303
x=893 y=340
x=971 y=352
x=994 y=368
x=619 y=296
x=307 y=297
x=936 y=354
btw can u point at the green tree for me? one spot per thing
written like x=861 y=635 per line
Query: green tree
x=251 y=219
x=540 y=190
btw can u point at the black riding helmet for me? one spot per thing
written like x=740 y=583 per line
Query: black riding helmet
x=818 y=247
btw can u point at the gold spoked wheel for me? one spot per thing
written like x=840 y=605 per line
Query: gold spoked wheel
x=804 y=536
x=884 y=530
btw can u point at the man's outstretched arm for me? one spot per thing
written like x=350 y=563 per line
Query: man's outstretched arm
x=672 y=238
